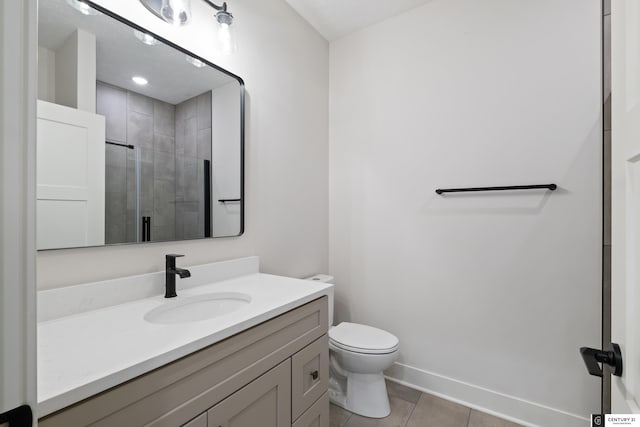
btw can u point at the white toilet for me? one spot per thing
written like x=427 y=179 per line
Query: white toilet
x=358 y=355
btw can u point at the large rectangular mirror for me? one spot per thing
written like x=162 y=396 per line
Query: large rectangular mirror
x=138 y=140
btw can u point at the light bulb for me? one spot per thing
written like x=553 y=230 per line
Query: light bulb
x=176 y=12
x=225 y=37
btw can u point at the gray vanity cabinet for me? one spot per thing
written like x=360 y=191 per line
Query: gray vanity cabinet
x=274 y=374
x=265 y=402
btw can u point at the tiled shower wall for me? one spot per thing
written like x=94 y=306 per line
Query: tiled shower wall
x=172 y=142
x=606 y=217
x=193 y=147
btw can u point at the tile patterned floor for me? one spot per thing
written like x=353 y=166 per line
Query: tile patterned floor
x=412 y=408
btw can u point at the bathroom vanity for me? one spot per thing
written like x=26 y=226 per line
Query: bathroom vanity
x=263 y=364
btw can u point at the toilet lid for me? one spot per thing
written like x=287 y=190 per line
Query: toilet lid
x=362 y=338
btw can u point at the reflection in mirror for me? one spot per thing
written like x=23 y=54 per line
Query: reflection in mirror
x=138 y=141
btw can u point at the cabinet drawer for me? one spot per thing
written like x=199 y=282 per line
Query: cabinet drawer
x=263 y=402
x=309 y=375
x=317 y=415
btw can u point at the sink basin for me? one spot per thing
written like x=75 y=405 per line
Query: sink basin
x=198 y=307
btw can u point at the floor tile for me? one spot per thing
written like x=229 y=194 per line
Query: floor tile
x=403 y=392
x=432 y=411
x=400 y=413
x=338 y=416
x=480 y=419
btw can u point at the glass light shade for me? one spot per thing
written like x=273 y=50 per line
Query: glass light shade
x=176 y=12
x=226 y=38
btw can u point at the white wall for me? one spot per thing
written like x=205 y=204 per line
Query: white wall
x=285 y=67
x=491 y=295
x=46 y=74
x=75 y=72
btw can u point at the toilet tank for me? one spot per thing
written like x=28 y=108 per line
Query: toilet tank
x=325 y=278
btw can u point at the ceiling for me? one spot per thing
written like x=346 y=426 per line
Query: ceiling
x=337 y=18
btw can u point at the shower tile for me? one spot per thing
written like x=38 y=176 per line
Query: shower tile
x=116 y=180
x=164 y=166
x=162 y=234
x=189 y=108
x=139 y=103
x=163 y=118
x=180 y=180
x=131 y=180
x=164 y=143
x=480 y=419
x=186 y=179
x=164 y=203
x=131 y=225
x=204 y=144
x=164 y=214
x=189 y=142
x=191 y=188
x=200 y=199
x=115 y=217
x=179 y=223
x=191 y=229
x=400 y=413
x=140 y=130
x=432 y=411
x=111 y=103
x=204 y=110
x=179 y=138
x=146 y=184
x=191 y=207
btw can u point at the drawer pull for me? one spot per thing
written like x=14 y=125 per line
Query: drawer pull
x=314 y=375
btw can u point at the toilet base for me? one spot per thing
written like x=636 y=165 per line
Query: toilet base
x=366 y=394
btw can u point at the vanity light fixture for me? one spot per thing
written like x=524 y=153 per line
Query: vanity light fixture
x=178 y=12
x=145 y=38
x=139 y=80
x=225 y=30
x=82 y=7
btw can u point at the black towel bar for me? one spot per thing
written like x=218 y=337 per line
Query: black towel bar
x=551 y=187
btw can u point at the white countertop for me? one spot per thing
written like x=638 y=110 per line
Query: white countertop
x=85 y=353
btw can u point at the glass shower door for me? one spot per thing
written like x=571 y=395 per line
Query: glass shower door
x=123 y=221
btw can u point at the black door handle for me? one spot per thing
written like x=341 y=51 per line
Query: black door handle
x=612 y=356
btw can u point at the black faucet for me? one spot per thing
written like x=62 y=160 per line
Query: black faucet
x=170 y=283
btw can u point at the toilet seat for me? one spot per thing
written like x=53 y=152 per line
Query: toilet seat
x=365 y=339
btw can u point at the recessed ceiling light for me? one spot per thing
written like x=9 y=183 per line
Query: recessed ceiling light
x=82 y=7
x=145 y=38
x=139 y=80
x=194 y=61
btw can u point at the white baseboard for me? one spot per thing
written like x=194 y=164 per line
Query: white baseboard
x=501 y=405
